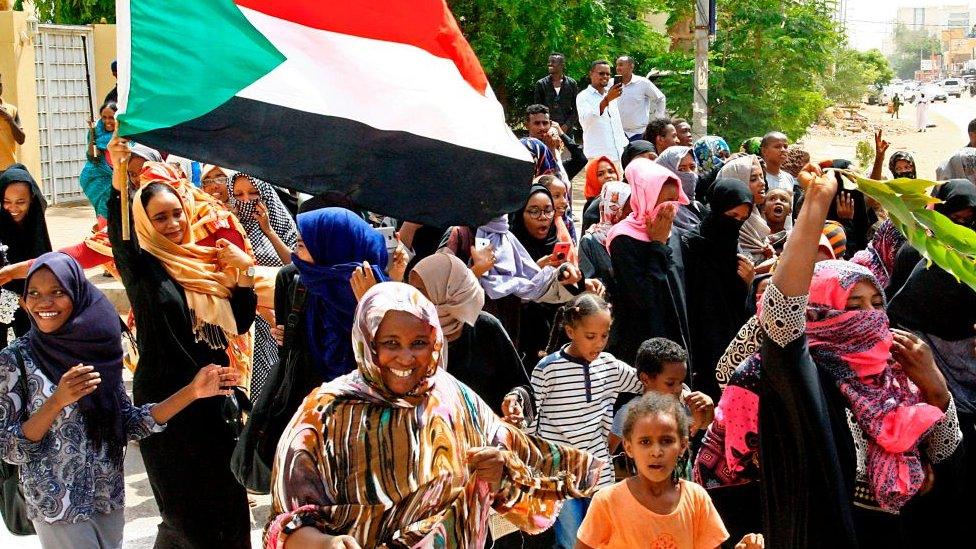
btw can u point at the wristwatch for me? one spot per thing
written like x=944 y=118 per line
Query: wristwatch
x=250 y=271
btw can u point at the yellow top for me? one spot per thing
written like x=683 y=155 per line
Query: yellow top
x=8 y=145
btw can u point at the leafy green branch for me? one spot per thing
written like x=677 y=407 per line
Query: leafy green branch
x=950 y=246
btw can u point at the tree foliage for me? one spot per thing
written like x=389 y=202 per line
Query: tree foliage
x=853 y=73
x=767 y=64
x=935 y=236
x=73 y=12
x=513 y=39
x=912 y=45
x=877 y=62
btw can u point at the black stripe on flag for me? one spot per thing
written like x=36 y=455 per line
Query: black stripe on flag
x=393 y=173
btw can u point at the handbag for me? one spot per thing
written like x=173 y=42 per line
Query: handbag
x=13 y=506
x=274 y=406
x=130 y=349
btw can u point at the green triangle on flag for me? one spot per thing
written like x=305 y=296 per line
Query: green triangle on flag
x=186 y=59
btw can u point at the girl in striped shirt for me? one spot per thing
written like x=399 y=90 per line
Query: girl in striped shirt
x=575 y=390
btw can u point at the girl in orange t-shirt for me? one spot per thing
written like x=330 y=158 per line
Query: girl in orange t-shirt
x=655 y=508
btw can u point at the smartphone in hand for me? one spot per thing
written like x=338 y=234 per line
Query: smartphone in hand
x=389 y=235
x=561 y=251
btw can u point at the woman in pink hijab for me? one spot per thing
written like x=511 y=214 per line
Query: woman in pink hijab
x=648 y=272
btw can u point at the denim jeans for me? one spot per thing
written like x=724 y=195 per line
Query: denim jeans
x=568 y=522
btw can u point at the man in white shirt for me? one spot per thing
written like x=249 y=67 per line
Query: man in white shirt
x=640 y=101
x=773 y=149
x=603 y=133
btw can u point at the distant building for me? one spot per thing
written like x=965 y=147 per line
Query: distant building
x=938 y=18
x=958 y=48
x=953 y=25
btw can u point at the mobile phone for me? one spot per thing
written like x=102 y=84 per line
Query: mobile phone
x=389 y=235
x=481 y=243
x=561 y=251
x=618 y=79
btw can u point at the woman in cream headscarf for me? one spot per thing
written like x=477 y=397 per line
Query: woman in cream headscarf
x=754 y=235
x=481 y=354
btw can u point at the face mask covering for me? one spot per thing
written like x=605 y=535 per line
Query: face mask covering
x=246 y=209
x=721 y=228
x=689 y=182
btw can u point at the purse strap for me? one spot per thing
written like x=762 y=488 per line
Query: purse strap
x=22 y=381
x=299 y=295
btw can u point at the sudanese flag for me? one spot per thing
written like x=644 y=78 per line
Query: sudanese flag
x=383 y=101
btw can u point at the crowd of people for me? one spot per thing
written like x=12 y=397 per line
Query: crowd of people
x=723 y=348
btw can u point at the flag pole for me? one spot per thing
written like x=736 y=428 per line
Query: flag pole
x=121 y=176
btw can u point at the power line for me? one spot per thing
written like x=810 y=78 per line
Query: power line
x=910 y=25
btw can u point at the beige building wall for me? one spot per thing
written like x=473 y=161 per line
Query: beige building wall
x=19 y=85
x=104 y=55
x=18 y=76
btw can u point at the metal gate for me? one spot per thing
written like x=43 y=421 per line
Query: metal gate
x=63 y=60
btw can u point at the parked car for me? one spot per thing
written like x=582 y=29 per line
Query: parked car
x=872 y=96
x=888 y=93
x=935 y=92
x=953 y=86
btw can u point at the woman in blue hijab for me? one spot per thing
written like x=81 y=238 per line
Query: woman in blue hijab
x=333 y=243
x=314 y=309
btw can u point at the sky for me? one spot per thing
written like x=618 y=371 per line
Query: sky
x=870 y=21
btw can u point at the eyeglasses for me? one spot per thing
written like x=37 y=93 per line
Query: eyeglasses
x=219 y=180
x=536 y=213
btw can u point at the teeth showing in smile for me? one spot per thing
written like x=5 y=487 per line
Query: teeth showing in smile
x=47 y=314
x=401 y=373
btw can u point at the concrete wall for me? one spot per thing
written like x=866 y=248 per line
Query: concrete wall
x=104 y=55
x=19 y=85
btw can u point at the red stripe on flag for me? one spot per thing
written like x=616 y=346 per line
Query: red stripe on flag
x=426 y=24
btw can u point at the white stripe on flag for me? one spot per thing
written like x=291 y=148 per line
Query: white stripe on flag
x=123 y=52
x=386 y=85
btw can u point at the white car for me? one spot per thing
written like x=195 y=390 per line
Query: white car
x=906 y=95
x=934 y=92
x=953 y=86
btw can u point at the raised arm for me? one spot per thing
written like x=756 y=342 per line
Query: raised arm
x=125 y=252
x=13 y=120
x=880 y=148
x=795 y=270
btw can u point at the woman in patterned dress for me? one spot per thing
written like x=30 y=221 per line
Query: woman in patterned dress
x=400 y=454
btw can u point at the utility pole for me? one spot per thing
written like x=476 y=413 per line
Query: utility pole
x=703 y=16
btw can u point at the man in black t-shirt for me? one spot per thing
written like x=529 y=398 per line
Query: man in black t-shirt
x=558 y=92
